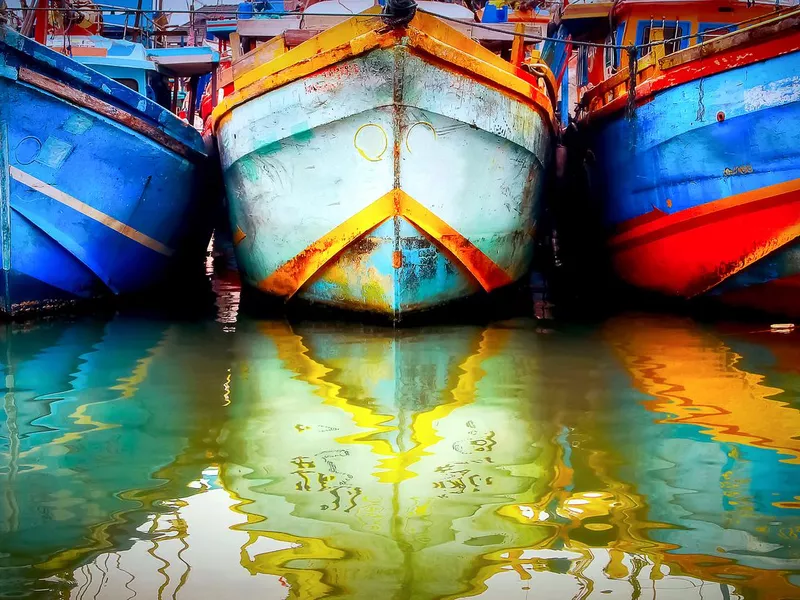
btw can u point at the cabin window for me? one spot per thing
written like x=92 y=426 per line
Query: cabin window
x=582 y=75
x=128 y=82
x=709 y=31
x=619 y=37
x=673 y=31
x=158 y=89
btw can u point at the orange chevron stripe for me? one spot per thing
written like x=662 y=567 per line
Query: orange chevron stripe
x=293 y=274
x=482 y=268
x=287 y=280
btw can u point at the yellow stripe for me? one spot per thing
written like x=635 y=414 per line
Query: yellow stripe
x=287 y=280
x=290 y=277
x=83 y=208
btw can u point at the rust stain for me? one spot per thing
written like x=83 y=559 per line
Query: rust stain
x=397 y=259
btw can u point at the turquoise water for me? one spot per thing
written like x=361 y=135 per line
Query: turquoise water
x=644 y=456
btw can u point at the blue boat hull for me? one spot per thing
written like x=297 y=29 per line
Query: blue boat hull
x=702 y=186
x=89 y=206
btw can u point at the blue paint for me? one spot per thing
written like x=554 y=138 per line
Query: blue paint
x=492 y=14
x=674 y=148
x=56 y=252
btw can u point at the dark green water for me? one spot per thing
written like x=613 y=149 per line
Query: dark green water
x=641 y=457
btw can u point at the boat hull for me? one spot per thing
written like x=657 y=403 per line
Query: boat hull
x=703 y=184
x=89 y=204
x=385 y=183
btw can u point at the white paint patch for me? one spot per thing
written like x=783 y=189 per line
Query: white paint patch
x=774 y=93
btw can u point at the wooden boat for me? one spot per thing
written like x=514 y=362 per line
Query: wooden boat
x=698 y=165
x=98 y=184
x=384 y=168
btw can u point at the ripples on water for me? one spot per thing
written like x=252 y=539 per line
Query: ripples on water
x=644 y=457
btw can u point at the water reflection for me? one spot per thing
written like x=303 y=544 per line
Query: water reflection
x=644 y=458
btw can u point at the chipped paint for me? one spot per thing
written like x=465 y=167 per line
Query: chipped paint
x=451 y=214
x=774 y=93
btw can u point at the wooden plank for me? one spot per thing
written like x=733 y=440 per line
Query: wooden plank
x=312 y=21
x=262 y=54
x=266 y=28
x=236 y=46
x=225 y=76
x=619 y=78
x=484 y=35
x=107 y=110
x=295 y=37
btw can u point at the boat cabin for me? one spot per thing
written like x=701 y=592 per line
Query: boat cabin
x=682 y=24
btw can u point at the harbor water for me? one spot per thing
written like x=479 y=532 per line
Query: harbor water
x=640 y=456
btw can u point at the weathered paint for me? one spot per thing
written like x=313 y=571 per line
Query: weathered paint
x=704 y=181
x=386 y=181
x=99 y=181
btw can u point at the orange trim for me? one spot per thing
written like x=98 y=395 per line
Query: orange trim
x=699 y=215
x=287 y=280
x=482 y=268
x=290 y=277
x=734 y=50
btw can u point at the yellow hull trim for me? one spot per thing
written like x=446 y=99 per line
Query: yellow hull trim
x=287 y=280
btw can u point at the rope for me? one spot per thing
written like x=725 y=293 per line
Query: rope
x=122 y=10
x=578 y=44
x=633 y=70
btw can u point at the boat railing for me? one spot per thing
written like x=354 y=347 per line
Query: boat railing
x=258 y=41
x=657 y=63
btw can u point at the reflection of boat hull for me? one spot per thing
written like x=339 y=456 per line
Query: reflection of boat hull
x=402 y=211
x=719 y=460
x=96 y=182
x=384 y=476
x=87 y=452
x=704 y=183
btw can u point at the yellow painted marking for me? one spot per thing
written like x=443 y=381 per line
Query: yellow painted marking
x=378 y=157
x=482 y=268
x=424 y=124
x=292 y=275
x=94 y=214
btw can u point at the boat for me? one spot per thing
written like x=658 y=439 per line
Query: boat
x=384 y=166
x=98 y=183
x=697 y=165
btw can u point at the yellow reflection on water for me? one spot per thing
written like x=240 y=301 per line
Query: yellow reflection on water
x=695 y=378
x=647 y=458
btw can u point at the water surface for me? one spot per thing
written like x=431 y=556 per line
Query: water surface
x=642 y=457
